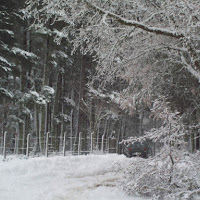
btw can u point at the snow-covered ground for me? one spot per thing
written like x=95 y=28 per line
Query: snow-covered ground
x=91 y=177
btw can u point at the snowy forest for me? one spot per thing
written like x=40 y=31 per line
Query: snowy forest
x=106 y=73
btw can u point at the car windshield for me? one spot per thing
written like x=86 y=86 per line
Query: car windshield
x=137 y=145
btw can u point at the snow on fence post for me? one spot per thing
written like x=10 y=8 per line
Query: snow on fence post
x=4 y=145
x=28 y=143
x=64 y=143
x=102 y=143
x=79 y=143
x=47 y=144
x=91 y=148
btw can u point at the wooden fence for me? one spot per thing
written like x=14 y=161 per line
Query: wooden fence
x=67 y=146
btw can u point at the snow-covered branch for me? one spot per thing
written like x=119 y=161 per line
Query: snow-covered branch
x=127 y=22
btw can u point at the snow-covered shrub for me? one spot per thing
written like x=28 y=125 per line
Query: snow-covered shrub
x=161 y=179
x=173 y=173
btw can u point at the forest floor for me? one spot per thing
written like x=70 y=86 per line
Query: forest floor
x=92 y=177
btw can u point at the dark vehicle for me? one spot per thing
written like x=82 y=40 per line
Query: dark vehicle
x=136 y=149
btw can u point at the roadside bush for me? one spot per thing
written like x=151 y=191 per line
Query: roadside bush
x=161 y=179
x=173 y=174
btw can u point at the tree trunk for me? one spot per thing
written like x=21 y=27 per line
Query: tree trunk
x=55 y=123
x=80 y=114
x=43 y=108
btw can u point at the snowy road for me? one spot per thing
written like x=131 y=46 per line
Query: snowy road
x=62 y=178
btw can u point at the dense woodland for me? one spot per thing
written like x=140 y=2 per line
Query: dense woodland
x=120 y=69
x=98 y=67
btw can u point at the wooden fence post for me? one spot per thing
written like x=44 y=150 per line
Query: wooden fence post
x=4 y=145
x=102 y=143
x=28 y=143
x=79 y=143
x=47 y=144
x=16 y=145
x=64 y=143
x=91 y=148
x=27 y=147
x=108 y=144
